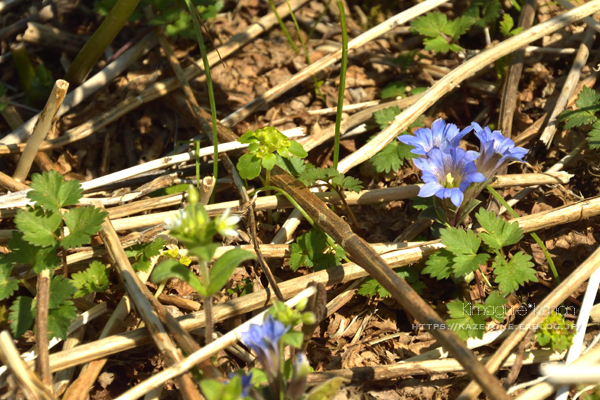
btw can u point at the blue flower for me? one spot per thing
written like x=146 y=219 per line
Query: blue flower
x=448 y=174
x=441 y=136
x=264 y=340
x=495 y=150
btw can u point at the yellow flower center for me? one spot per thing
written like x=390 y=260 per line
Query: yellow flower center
x=450 y=182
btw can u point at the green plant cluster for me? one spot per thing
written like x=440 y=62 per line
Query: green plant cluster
x=172 y=14
x=556 y=332
x=588 y=105
x=466 y=250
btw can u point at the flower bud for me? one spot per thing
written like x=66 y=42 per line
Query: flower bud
x=193 y=195
x=309 y=318
x=302 y=304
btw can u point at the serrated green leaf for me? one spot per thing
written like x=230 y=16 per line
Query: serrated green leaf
x=292 y=164
x=347 y=182
x=459 y=241
x=173 y=269
x=93 y=280
x=514 y=273
x=384 y=117
x=83 y=222
x=249 y=166
x=393 y=89
x=466 y=263
x=61 y=290
x=594 y=136
x=22 y=315
x=506 y=26
x=484 y=12
x=466 y=321
x=441 y=45
x=439 y=265
x=459 y=26
x=311 y=250
x=326 y=390
x=52 y=192
x=154 y=248
x=59 y=320
x=39 y=258
x=554 y=330
x=430 y=24
x=221 y=271
x=499 y=233
x=39 y=228
x=212 y=389
x=392 y=156
x=494 y=306
x=371 y=287
x=8 y=285
x=588 y=104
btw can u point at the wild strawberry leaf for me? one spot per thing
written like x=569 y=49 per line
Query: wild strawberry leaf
x=52 y=192
x=59 y=320
x=39 y=227
x=22 y=315
x=39 y=258
x=92 y=280
x=61 y=290
x=8 y=285
x=466 y=320
x=498 y=233
x=83 y=222
x=514 y=273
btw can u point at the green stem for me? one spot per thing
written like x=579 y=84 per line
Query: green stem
x=211 y=94
x=23 y=65
x=100 y=40
x=533 y=234
x=197 y=144
x=161 y=288
x=342 y=88
x=283 y=28
x=267 y=184
x=208 y=328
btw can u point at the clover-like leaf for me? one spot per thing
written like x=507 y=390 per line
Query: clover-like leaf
x=249 y=166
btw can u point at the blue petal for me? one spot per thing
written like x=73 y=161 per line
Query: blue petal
x=429 y=189
x=457 y=197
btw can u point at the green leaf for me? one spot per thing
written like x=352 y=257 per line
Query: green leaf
x=459 y=26
x=292 y=164
x=506 y=26
x=594 y=136
x=212 y=389
x=466 y=320
x=441 y=45
x=311 y=250
x=499 y=233
x=92 y=280
x=484 y=12
x=384 y=117
x=268 y=161
x=347 y=182
x=312 y=175
x=372 y=288
x=588 y=104
x=39 y=258
x=430 y=24
x=205 y=253
x=326 y=390
x=297 y=150
x=39 y=228
x=61 y=290
x=555 y=331
x=8 y=285
x=465 y=263
x=142 y=253
x=173 y=269
x=59 y=320
x=439 y=265
x=83 y=222
x=514 y=273
x=293 y=339
x=249 y=166
x=52 y=192
x=392 y=156
x=459 y=241
x=494 y=306
x=221 y=271
x=393 y=89
x=22 y=314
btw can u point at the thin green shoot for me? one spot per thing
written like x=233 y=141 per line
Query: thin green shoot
x=283 y=28
x=533 y=234
x=342 y=88
x=319 y=18
x=211 y=94
x=197 y=148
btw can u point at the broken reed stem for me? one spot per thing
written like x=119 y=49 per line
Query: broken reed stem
x=458 y=75
x=28 y=382
x=11 y=184
x=342 y=87
x=42 y=362
x=41 y=129
x=206 y=352
x=555 y=298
